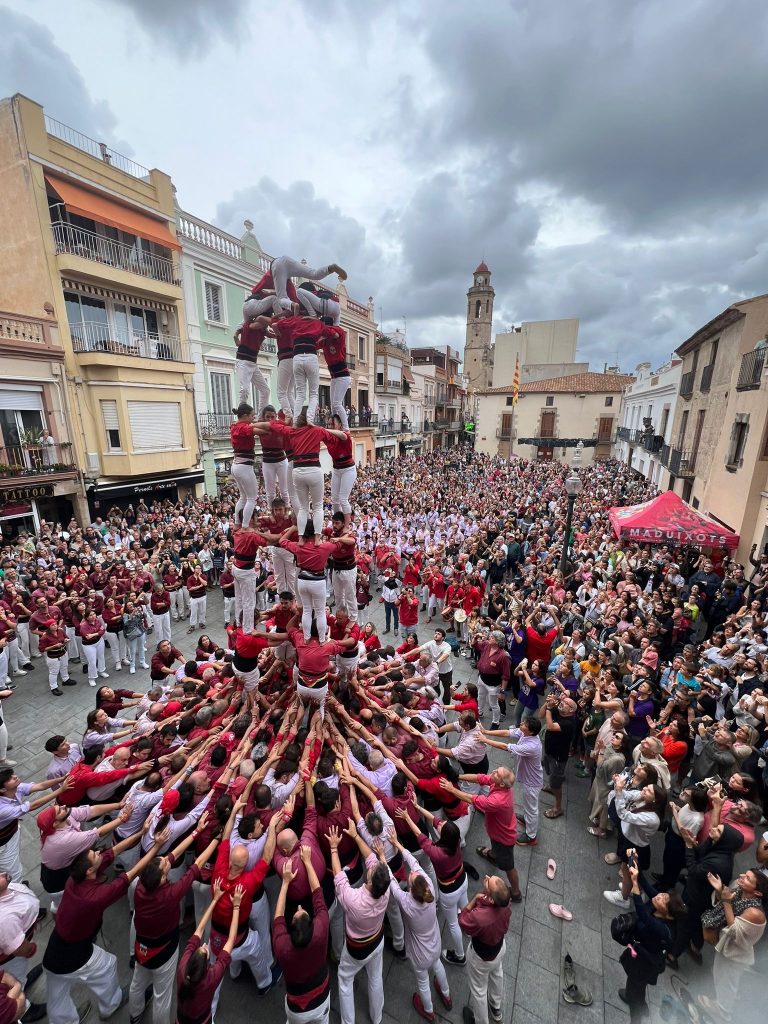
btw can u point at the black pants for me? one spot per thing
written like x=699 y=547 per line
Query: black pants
x=446 y=681
x=391 y=609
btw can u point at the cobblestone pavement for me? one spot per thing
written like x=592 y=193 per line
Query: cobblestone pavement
x=535 y=944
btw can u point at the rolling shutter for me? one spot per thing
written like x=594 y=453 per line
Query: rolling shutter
x=155 y=426
x=21 y=399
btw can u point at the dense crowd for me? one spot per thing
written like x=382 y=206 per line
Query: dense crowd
x=304 y=786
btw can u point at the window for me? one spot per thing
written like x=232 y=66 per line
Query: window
x=739 y=433
x=155 y=426
x=477 y=309
x=111 y=426
x=221 y=394
x=214 y=307
x=664 y=421
x=609 y=401
x=550 y=400
x=361 y=347
x=683 y=429
x=510 y=401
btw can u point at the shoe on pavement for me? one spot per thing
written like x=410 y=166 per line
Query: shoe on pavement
x=526 y=840
x=418 y=1005
x=32 y=977
x=494 y=725
x=449 y=957
x=132 y=671
x=70 y=682
x=57 y=692
x=574 y=994
x=20 y=672
x=120 y=1005
x=104 y=675
x=277 y=973
x=446 y=1000
x=85 y=669
x=144 y=664
x=91 y=682
x=495 y=1014
x=467 y=1015
x=7 y=763
x=614 y=896
x=400 y=954
x=36 y=1011
x=28 y=667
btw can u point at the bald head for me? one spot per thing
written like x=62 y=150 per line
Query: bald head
x=286 y=842
x=238 y=860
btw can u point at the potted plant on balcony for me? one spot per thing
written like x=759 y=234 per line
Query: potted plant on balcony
x=32 y=441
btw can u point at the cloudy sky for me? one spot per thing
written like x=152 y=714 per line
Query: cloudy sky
x=608 y=160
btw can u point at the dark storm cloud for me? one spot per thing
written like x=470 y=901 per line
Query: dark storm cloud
x=190 y=27
x=33 y=64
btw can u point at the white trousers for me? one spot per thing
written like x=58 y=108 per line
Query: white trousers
x=276 y=475
x=284 y=568
x=248 y=374
x=229 y=607
x=14 y=655
x=339 y=388
x=177 y=604
x=435 y=606
x=75 y=644
x=449 y=904
x=252 y=953
x=488 y=700
x=10 y=856
x=344 y=582
x=530 y=801
x=162 y=981
x=95 y=660
x=162 y=626
x=422 y=982
x=342 y=482
x=285 y=267
x=308 y=486
x=348 y=968
x=198 y=606
x=248 y=484
x=306 y=374
x=201 y=897
x=99 y=975
x=312 y=597
x=727 y=976
x=486 y=983
x=187 y=603
x=22 y=628
x=245 y=596
x=286 y=389
x=112 y=640
x=57 y=667
x=3 y=743
x=317 y=1016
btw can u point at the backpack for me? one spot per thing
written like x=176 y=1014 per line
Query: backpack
x=623 y=928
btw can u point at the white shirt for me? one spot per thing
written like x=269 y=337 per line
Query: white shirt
x=19 y=908
x=437 y=650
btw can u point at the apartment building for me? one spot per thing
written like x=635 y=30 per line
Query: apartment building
x=447 y=425
x=648 y=414
x=399 y=416
x=717 y=458
x=93 y=245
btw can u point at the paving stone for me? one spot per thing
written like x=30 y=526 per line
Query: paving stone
x=537 y=990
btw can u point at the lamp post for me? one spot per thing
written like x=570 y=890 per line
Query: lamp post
x=573 y=488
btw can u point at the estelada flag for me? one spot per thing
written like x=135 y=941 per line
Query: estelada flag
x=516 y=382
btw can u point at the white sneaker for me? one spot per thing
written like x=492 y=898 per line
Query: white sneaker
x=614 y=896
x=144 y=664
x=91 y=682
x=131 y=671
x=104 y=675
x=118 y=667
x=20 y=672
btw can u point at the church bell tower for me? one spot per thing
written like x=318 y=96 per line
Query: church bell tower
x=478 y=356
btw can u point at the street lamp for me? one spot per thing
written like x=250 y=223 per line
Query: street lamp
x=573 y=488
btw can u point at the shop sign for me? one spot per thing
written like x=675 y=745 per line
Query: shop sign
x=10 y=494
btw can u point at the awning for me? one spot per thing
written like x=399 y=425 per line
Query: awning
x=408 y=375
x=143 y=485
x=105 y=210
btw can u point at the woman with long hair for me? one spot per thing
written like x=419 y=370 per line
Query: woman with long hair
x=447 y=859
x=422 y=932
x=197 y=978
x=640 y=813
x=243 y=437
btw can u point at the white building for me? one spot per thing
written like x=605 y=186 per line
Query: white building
x=647 y=418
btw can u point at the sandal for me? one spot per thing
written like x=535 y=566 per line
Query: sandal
x=556 y=910
x=552 y=813
x=551 y=868
x=595 y=831
x=612 y=858
x=486 y=852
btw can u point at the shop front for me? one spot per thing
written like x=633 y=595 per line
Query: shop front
x=24 y=507
x=121 y=494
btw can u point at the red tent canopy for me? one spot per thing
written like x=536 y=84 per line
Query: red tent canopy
x=667 y=519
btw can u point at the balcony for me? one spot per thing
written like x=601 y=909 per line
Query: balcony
x=91 y=246
x=429 y=426
x=100 y=150
x=213 y=425
x=686 y=384
x=94 y=336
x=453 y=403
x=679 y=462
x=622 y=434
x=269 y=346
x=653 y=443
x=23 y=329
x=751 y=370
x=37 y=460
x=390 y=388
x=706 y=378
x=442 y=424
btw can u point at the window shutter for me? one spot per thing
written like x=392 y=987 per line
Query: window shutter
x=155 y=426
x=213 y=302
x=109 y=415
x=27 y=400
x=221 y=394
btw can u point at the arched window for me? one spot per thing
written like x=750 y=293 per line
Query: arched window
x=477 y=309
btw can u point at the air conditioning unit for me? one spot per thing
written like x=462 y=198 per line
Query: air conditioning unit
x=93 y=463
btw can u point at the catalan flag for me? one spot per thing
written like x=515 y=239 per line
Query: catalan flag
x=516 y=382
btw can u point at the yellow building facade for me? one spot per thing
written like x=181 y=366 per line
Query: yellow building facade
x=90 y=246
